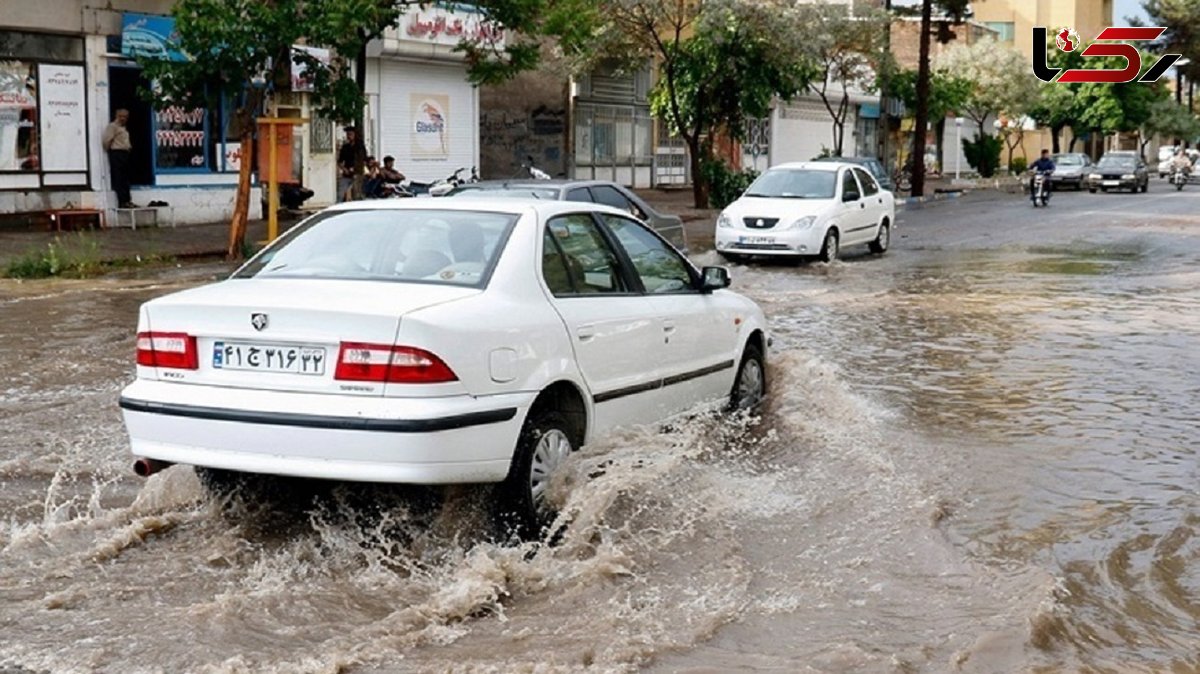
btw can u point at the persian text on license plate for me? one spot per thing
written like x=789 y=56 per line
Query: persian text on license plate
x=268 y=358
x=756 y=239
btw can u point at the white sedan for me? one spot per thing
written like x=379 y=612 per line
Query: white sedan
x=807 y=209
x=423 y=342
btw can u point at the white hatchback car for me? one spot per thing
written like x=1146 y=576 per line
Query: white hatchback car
x=807 y=209
x=419 y=342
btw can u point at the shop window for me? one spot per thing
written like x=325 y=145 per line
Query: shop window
x=180 y=133
x=1005 y=31
x=39 y=46
x=18 y=116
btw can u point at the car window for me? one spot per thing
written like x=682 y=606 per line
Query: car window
x=554 y=267
x=850 y=189
x=579 y=194
x=611 y=196
x=867 y=182
x=794 y=184
x=431 y=246
x=661 y=269
x=591 y=264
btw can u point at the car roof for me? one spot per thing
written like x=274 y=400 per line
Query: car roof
x=533 y=183
x=516 y=206
x=848 y=160
x=832 y=165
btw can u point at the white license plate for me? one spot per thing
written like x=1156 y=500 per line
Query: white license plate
x=756 y=239
x=268 y=358
x=1112 y=183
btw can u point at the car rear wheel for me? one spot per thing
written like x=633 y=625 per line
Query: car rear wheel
x=880 y=245
x=750 y=385
x=544 y=444
x=829 y=249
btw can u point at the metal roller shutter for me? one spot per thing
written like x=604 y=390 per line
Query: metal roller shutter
x=412 y=98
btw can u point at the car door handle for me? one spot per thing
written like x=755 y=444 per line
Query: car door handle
x=862 y=205
x=585 y=332
x=668 y=325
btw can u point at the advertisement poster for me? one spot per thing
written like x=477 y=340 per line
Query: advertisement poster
x=179 y=139
x=18 y=117
x=63 y=118
x=149 y=35
x=430 y=114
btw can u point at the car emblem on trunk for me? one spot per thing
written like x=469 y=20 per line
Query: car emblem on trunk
x=259 y=321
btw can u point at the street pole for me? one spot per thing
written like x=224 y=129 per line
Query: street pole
x=885 y=126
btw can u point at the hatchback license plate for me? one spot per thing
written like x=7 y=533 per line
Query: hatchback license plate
x=756 y=239
x=268 y=358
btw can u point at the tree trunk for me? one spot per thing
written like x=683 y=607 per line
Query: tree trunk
x=939 y=136
x=241 y=204
x=1055 y=132
x=360 y=154
x=699 y=180
x=921 y=120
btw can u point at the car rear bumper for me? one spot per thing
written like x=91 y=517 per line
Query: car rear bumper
x=457 y=439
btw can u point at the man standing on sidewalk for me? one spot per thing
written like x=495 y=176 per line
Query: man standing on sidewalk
x=116 y=143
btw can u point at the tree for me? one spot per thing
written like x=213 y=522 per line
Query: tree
x=239 y=50
x=1182 y=18
x=1057 y=105
x=719 y=63
x=1170 y=119
x=957 y=9
x=845 y=48
x=947 y=94
x=1001 y=81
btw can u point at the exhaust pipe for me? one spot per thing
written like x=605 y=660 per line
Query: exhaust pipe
x=148 y=467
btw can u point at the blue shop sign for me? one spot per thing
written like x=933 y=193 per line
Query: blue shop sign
x=149 y=35
x=869 y=111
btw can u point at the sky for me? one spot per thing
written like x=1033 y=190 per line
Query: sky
x=1126 y=8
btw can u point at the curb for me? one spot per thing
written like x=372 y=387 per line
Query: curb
x=940 y=196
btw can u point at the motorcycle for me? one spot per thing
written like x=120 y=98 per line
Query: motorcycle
x=1179 y=177
x=1040 y=191
x=534 y=172
x=444 y=186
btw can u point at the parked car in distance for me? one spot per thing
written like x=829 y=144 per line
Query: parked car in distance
x=439 y=341
x=1119 y=170
x=1069 y=169
x=873 y=166
x=586 y=191
x=807 y=209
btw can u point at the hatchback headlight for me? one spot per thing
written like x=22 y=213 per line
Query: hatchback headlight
x=1128 y=176
x=724 y=221
x=804 y=223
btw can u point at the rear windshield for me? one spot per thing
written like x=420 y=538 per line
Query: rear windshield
x=427 y=246
x=794 y=184
x=548 y=194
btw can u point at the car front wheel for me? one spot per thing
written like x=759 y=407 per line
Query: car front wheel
x=750 y=385
x=880 y=245
x=829 y=249
x=544 y=444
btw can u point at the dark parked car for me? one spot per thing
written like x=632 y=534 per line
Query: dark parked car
x=873 y=166
x=670 y=227
x=1119 y=171
x=1069 y=169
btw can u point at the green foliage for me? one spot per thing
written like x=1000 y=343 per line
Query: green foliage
x=1018 y=165
x=947 y=92
x=1172 y=120
x=1182 y=18
x=72 y=256
x=1002 y=83
x=726 y=185
x=983 y=154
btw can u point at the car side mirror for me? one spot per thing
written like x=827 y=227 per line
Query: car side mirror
x=850 y=196
x=713 y=278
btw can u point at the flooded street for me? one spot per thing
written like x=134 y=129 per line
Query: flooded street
x=979 y=455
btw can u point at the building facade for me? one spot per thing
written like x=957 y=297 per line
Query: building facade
x=66 y=66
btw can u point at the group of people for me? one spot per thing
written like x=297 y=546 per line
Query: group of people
x=377 y=179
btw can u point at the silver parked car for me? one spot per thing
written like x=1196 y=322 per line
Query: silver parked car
x=670 y=227
x=1070 y=168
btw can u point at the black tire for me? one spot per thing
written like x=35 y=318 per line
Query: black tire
x=1092 y=190
x=1146 y=187
x=520 y=507
x=745 y=394
x=884 y=239
x=829 y=247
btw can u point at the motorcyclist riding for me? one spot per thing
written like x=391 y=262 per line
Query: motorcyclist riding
x=1181 y=161
x=1043 y=165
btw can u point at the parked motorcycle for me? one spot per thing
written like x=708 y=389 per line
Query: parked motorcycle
x=442 y=187
x=534 y=172
x=1040 y=191
x=1179 y=177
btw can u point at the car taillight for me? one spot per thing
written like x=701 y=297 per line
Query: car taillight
x=175 y=350
x=390 y=364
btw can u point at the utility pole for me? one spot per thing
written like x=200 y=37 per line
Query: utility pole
x=885 y=126
x=922 y=112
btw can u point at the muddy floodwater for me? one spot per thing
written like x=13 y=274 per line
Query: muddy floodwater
x=979 y=456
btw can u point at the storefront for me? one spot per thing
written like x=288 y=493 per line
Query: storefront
x=423 y=110
x=43 y=111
